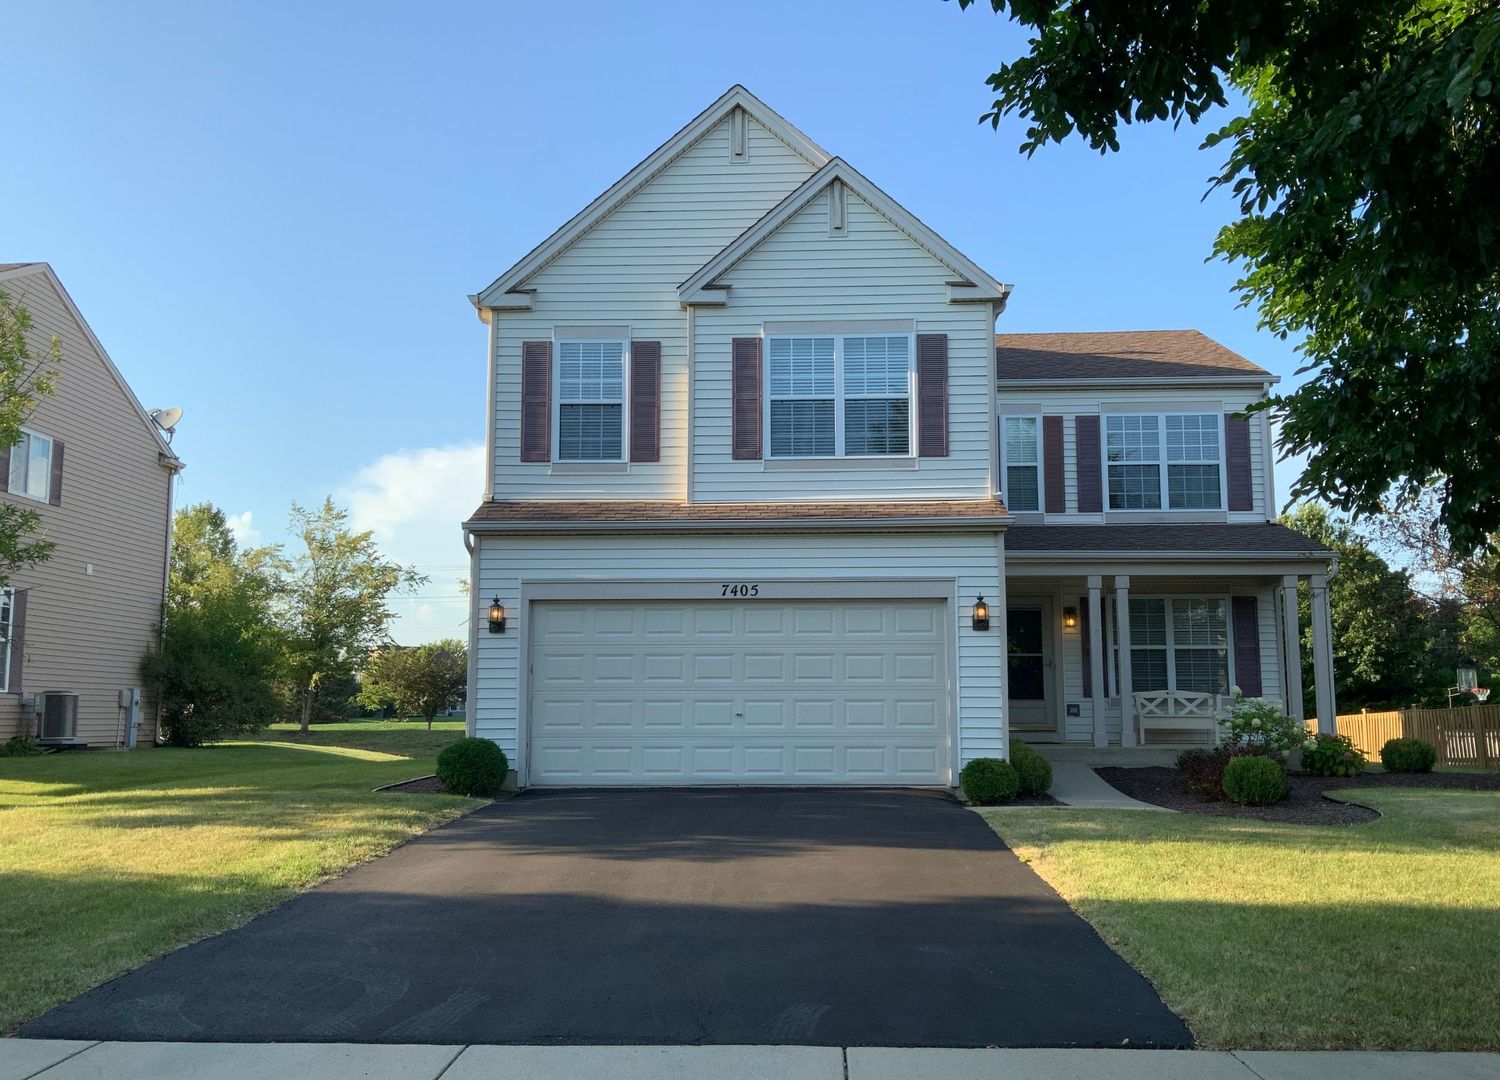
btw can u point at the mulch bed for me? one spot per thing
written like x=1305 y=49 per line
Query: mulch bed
x=1305 y=803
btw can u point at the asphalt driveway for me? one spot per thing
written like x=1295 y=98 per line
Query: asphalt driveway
x=846 y=918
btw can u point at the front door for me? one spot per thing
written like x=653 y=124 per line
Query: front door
x=1030 y=671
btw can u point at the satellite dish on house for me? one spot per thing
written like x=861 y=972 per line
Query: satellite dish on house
x=167 y=420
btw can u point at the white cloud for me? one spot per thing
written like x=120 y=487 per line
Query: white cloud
x=413 y=501
x=246 y=535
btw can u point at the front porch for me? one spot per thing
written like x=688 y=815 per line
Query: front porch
x=1147 y=657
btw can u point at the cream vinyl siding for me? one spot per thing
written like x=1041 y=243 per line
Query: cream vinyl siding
x=875 y=272
x=1081 y=728
x=625 y=272
x=87 y=633
x=971 y=560
x=1070 y=403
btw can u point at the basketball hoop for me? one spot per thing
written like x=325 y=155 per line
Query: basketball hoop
x=1481 y=694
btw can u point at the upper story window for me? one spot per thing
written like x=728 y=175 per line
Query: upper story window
x=31 y=466
x=590 y=401
x=1170 y=461
x=7 y=618
x=839 y=396
x=1021 y=447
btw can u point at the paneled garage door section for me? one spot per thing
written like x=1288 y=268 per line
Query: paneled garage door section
x=740 y=692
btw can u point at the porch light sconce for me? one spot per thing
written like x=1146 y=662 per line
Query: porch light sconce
x=1070 y=618
x=981 y=614
x=497 y=616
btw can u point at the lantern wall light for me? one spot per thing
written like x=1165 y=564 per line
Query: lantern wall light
x=981 y=614
x=497 y=616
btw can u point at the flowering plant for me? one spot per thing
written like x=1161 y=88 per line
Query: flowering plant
x=1257 y=725
x=1332 y=755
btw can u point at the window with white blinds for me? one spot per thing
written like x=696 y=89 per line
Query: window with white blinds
x=1170 y=461
x=1176 y=643
x=31 y=466
x=839 y=396
x=590 y=401
x=1023 y=462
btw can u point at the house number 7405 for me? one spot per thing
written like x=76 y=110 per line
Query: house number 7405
x=739 y=590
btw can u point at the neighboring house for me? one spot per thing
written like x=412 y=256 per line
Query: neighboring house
x=96 y=467
x=751 y=436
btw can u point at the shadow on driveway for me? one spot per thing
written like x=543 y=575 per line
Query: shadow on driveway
x=845 y=918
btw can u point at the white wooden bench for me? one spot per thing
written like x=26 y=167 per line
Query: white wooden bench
x=1183 y=711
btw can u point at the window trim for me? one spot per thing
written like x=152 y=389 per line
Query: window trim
x=1112 y=651
x=46 y=494
x=558 y=402
x=1041 y=479
x=7 y=628
x=839 y=398
x=1163 y=464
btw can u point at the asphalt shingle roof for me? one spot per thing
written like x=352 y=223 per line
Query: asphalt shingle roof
x=1211 y=537
x=1125 y=354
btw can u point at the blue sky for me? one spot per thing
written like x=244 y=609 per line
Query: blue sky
x=272 y=213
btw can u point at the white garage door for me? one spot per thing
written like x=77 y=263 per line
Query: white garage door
x=748 y=692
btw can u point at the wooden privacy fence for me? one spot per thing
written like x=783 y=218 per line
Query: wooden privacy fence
x=1462 y=736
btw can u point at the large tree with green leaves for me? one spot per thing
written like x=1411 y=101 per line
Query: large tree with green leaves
x=25 y=377
x=218 y=663
x=1364 y=159
x=335 y=601
x=419 y=681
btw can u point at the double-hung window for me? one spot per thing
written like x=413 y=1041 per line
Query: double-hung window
x=31 y=466
x=1177 y=643
x=1167 y=461
x=1023 y=463
x=839 y=396
x=590 y=401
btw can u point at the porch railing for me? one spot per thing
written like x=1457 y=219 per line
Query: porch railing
x=1179 y=710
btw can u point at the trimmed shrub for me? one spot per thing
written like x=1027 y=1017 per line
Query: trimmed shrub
x=1254 y=780
x=988 y=780
x=472 y=767
x=1332 y=755
x=1034 y=771
x=1408 y=755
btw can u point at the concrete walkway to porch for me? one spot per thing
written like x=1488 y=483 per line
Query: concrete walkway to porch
x=1074 y=782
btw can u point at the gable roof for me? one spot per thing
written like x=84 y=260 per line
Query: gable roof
x=11 y=271
x=1122 y=354
x=736 y=97
x=973 y=283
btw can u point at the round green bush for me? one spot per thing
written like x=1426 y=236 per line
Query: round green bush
x=988 y=780
x=1034 y=771
x=1254 y=781
x=472 y=767
x=1408 y=755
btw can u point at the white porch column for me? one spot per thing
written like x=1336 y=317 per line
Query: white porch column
x=1122 y=645
x=1291 y=648
x=1096 y=659
x=1322 y=627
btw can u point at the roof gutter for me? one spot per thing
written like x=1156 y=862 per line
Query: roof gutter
x=1055 y=382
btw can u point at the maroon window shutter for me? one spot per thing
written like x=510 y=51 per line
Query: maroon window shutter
x=1090 y=490
x=745 y=391
x=1052 y=461
x=536 y=401
x=17 y=641
x=932 y=395
x=645 y=401
x=1237 y=461
x=1083 y=627
x=4 y=468
x=1246 y=623
x=54 y=489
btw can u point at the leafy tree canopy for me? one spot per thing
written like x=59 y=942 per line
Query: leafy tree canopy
x=420 y=681
x=1365 y=166
x=25 y=377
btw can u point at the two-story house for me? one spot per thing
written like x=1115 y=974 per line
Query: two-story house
x=767 y=502
x=98 y=470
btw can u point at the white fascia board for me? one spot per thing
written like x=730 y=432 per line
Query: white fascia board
x=1249 y=379
x=495 y=295
x=702 y=287
x=166 y=455
x=758 y=526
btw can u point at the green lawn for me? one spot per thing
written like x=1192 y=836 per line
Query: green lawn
x=409 y=737
x=110 y=859
x=1385 y=935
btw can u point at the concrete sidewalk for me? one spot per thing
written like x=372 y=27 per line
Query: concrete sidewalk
x=51 y=1059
